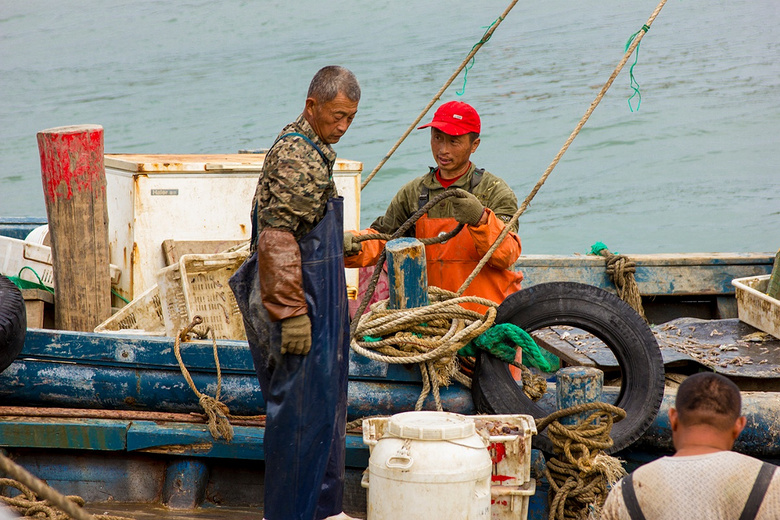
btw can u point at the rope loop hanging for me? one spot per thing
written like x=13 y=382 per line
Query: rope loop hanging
x=216 y=411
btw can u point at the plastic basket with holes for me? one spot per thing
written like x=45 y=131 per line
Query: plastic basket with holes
x=33 y=262
x=143 y=315
x=198 y=286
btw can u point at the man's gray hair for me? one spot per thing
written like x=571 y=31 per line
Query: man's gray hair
x=331 y=81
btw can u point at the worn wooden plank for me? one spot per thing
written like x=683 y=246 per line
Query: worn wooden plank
x=96 y=476
x=19 y=227
x=65 y=433
x=194 y=440
x=119 y=350
x=174 y=249
x=657 y=274
x=551 y=341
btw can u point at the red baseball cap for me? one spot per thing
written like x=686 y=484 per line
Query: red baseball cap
x=455 y=118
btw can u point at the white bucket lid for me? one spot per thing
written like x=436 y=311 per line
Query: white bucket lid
x=431 y=426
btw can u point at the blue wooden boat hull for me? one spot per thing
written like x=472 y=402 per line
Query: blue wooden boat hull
x=180 y=465
x=97 y=371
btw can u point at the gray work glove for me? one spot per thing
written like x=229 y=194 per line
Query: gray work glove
x=351 y=246
x=296 y=335
x=467 y=210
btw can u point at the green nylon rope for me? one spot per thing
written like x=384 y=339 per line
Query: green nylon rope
x=482 y=40
x=502 y=340
x=633 y=82
x=21 y=283
x=40 y=282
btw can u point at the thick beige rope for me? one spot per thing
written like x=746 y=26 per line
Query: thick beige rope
x=216 y=411
x=580 y=472
x=621 y=271
x=429 y=336
x=444 y=87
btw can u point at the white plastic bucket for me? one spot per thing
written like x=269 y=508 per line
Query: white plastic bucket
x=429 y=465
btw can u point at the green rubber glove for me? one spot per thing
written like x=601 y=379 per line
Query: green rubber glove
x=467 y=210
x=351 y=247
x=296 y=335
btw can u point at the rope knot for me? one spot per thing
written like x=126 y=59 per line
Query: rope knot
x=217 y=413
x=621 y=271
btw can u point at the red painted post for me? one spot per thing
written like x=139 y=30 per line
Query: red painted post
x=74 y=186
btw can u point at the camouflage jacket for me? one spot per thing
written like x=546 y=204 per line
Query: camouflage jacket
x=492 y=191
x=295 y=183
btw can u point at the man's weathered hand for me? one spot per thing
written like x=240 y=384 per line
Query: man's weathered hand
x=296 y=335
x=351 y=246
x=467 y=210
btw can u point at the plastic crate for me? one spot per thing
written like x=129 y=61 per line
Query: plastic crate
x=755 y=307
x=141 y=316
x=198 y=286
x=509 y=439
x=26 y=259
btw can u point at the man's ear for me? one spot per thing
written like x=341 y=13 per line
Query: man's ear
x=309 y=106
x=475 y=145
x=674 y=420
x=739 y=425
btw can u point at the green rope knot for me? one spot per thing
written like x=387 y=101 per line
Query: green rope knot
x=502 y=341
x=633 y=82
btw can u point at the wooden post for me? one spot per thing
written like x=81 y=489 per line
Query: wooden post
x=578 y=385
x=74 y=186
x=407 y=273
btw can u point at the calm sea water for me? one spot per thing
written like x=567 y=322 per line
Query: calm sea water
x=694 y=169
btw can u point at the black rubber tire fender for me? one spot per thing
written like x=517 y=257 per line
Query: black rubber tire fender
x=605 y=316
x=13 y=322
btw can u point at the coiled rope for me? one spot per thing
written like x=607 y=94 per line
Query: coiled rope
x=429 y=336
x=52 y=504
x=580 y=472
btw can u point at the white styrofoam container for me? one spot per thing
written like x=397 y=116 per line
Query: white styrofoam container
x=755 y=307
x=25 y=259
x=152 y=198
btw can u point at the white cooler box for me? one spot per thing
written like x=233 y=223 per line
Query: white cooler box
x=152 y=198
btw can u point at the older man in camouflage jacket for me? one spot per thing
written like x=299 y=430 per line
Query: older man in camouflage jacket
x=292 y=295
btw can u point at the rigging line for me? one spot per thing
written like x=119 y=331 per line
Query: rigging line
x=485 y=39
x=563 y=149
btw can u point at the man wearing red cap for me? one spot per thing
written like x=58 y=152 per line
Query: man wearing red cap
x=454 y=137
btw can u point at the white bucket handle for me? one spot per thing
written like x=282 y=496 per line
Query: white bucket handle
x=403 y=461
